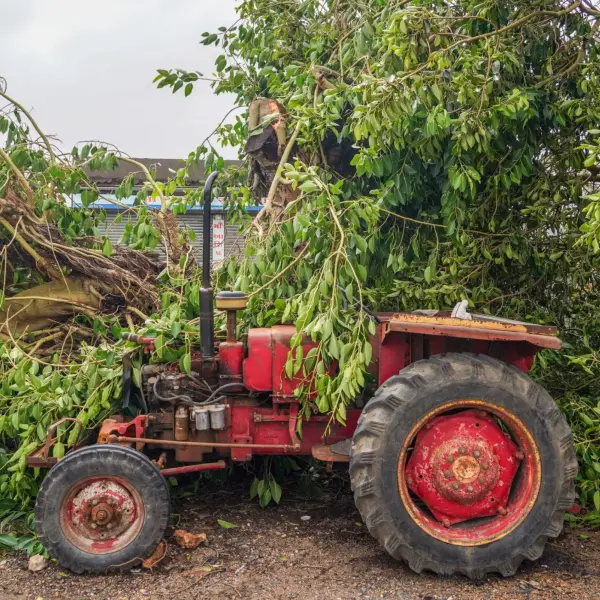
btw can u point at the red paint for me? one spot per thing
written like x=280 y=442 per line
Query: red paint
x=476 y=446
x=394 y=355
x=515 y=496
x=258 y=367
x=193 y=468
x=136 y=426
x=247 y=424
x=231 y=360
x=268 y=351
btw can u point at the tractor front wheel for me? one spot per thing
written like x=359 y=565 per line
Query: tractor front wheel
x=461 y=464
x=102 y=507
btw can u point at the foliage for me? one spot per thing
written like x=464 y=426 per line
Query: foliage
x=444 y=151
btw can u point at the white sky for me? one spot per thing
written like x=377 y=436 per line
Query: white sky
x=85 y=67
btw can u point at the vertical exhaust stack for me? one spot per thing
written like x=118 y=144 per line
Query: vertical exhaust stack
x=207 y=314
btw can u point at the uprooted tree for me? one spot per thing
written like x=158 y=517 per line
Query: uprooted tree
x=409 y=154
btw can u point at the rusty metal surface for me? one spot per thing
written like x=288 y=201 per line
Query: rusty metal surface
x=173 y=443
x=477 y=328
x=212 y=466
x=41 y=458
x=101 y=515
x=325 y=453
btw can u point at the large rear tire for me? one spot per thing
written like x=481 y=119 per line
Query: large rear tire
x=102 y=507
x=430 y=456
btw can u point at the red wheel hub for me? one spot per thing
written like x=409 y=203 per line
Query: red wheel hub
x=102 y=515
x=462 y=466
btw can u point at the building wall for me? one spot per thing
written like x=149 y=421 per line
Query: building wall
x=234 y=242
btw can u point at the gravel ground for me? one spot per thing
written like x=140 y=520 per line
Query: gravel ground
x=275 y=554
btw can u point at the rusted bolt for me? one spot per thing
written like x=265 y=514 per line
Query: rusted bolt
x=456 y=485
x=112 y=501
x=409 y=480
x=476 y=453
x=447 y=474
x=481 y=480
x=110 y=526
x=446 y=522
x=485 y=466
x=501 y=510
x=519 y=455
x=94 y=526
x=462 y=450
x=470 y=488
x=450 y=458
x=94 y=502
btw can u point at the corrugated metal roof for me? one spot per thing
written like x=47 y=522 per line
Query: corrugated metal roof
x=165 y=169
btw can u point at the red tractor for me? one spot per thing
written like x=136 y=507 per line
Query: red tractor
x=459 y=462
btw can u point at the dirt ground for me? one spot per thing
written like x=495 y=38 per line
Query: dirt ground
x=275 y=554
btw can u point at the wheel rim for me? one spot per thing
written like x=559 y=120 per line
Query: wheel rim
x=101 y=515
x=465 y=481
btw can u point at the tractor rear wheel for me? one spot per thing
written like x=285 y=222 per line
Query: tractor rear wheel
x=102 y=507
x=461 y=464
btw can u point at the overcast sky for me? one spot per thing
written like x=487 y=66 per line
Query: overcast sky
x=85 y=67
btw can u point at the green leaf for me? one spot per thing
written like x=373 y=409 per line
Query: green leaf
x=107 y=248
x=254 y=488
x=227 y=524
x=186 y=363
x=597 y=500
x=275 y=491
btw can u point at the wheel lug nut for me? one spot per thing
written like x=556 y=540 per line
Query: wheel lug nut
x=481 y=480
x=456 y=485
x=485 y=466
x=462 y=450
x=470 y=488
x=450 y=458
x=94 y=502
x=446 y=522
x=476 y=453
x=109 y=526
x=94 y=526
x=447 y=474
x=409 y=480
x=501 y=510
x=519 y=455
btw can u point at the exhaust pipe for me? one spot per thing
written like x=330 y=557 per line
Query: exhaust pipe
x=207 y=314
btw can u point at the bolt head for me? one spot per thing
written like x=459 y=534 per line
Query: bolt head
x=447 y=474
x=519 y=455
x=110 y=526
x=450 y=459
x=456 y=485
x=446 y=522
x=94 y=502
x=481 y=480
x=409 y=480
x=94 y=526
x=462 y=450
x=470 y=488
x=485 y=466
x=476 y=453
x=501 y=510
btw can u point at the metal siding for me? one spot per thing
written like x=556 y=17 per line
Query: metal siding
x=193 y=220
